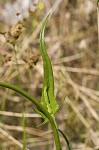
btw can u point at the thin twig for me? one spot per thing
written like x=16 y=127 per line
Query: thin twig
x=13 y=114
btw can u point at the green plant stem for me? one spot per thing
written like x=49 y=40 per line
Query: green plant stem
x=41 y=107
x=24 y=126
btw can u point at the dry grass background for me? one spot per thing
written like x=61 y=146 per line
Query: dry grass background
x=72 y=43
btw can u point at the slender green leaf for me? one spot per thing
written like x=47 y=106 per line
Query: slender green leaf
x=48 y=98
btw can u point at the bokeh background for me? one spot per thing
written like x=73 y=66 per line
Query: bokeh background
x=71 y=39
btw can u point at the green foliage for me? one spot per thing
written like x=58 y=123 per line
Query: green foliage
x=48 y=98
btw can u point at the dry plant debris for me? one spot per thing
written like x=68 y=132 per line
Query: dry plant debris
x=73 y=47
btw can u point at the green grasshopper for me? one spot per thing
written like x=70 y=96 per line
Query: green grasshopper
x=48 y=98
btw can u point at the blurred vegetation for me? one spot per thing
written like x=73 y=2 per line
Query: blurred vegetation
x=72 y=43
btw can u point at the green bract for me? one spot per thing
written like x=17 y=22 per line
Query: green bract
x=48 y=98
